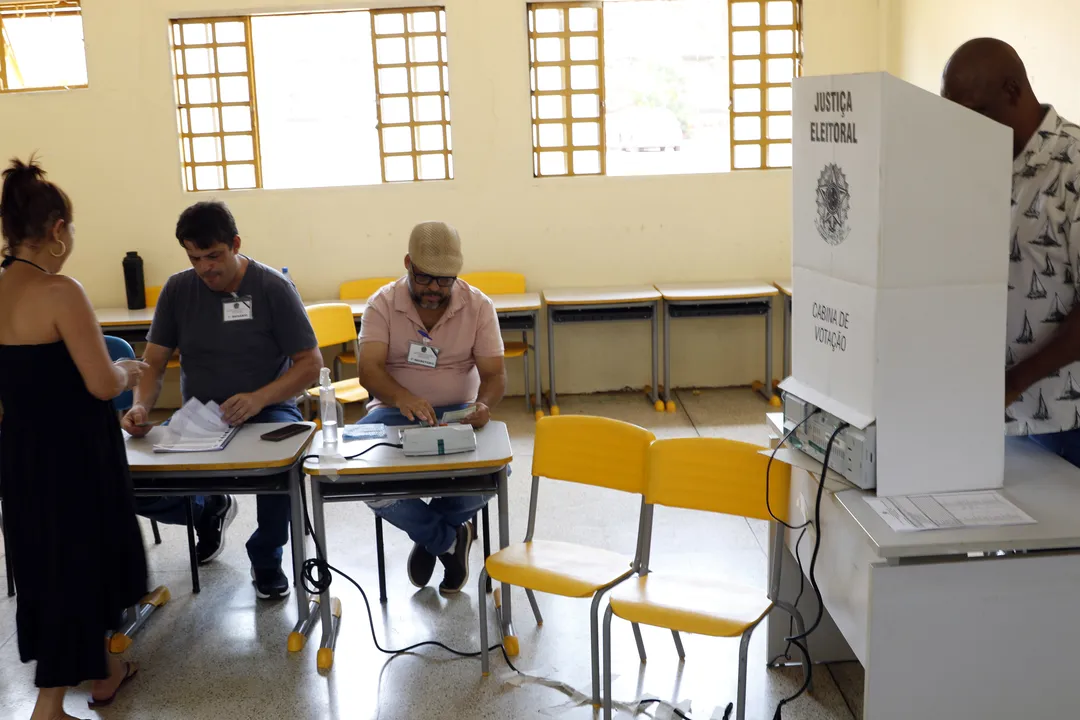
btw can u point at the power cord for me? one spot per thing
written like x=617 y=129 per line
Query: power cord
x=768 y=470
x=316 y=578
x=798 y=640
x=802 y=587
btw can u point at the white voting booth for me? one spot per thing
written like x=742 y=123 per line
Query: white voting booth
x=901 y=204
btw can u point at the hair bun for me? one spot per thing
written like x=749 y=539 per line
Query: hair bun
x=24 y=172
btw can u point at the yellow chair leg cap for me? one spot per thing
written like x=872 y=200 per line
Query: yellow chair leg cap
x=539 y=414
x=776 y=383
x=648 y=389
x=554 y=409
x=296 y=642
x=158 y=597
x=775 y=401
x=118 y=643
x=671 y=406
x=484 y=674
x=757 y=385
x=510 y=644
x=659 y=406
x=325 y=659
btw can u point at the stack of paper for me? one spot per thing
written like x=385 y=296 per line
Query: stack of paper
x=196 y=428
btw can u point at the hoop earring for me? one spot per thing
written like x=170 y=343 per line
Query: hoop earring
x=63 y=252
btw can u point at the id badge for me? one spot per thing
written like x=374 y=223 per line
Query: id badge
x=423 y=355
x=237 y=308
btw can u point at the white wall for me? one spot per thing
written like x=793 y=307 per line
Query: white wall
x=114 y=148
x=926 y=32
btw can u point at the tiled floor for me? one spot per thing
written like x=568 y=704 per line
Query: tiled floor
x=222 y=653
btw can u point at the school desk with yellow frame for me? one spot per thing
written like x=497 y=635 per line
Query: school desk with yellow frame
x=727 y=299
x=576 y=305
x=248 y=465
x=386 y=472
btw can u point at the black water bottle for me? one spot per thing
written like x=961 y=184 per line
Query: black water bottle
x=134 y=283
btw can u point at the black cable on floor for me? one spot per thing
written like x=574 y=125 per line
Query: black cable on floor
x=316 y=579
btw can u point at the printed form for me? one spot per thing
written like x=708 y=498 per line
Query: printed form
x=946 y=511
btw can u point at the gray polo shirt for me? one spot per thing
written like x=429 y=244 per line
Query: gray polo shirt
x=220 y=358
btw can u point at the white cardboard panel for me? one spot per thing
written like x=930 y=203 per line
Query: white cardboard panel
x=833 y=338
x=901 y=217
x=946 y=189
x=843 y=243
x=940 y=390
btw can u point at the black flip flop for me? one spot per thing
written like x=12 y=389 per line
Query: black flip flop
x=130 y=671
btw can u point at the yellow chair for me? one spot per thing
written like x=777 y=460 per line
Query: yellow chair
x=359 y=290
x=592 y=451
x=333 y=324
x=152 y=294
x=712 y=475
x=507 y=283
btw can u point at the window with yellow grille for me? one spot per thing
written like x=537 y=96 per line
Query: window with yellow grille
x=765 y=42
x=412 y=90
x=650 y=87
x=292 y=100
x=566 y=54
x=215 y=103
x=41 y=46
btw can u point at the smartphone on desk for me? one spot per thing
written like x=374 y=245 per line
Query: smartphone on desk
x=284 y=432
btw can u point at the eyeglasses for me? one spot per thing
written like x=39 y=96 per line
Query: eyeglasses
x=444 y=281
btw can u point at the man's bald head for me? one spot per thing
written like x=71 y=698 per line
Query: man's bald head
x=987 y=75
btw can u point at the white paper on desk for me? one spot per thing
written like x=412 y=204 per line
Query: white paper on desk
x=196 y=428
x=945 y=511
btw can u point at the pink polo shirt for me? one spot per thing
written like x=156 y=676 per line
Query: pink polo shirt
x=467 y=330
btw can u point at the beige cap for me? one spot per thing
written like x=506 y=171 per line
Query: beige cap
x=435 y=248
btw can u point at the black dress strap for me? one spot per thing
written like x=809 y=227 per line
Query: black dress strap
x=11 y=259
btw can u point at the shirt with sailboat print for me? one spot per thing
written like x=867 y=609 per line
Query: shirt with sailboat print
x=1044 y=272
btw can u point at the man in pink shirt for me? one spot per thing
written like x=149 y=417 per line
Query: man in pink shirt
x=430 y=344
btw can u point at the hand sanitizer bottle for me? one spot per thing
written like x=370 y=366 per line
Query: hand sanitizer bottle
x=327 y=408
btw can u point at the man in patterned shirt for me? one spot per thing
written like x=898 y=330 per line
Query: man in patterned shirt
x=1042 y=360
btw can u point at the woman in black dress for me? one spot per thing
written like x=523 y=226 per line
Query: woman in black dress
x=73 y=537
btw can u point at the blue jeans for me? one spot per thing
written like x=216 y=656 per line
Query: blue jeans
x=431 y=525
x=265 y=545
x=1066 y=444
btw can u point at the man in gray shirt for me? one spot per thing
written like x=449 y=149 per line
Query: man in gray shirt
x=246 y=343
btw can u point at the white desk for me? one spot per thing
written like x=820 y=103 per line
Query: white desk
x=131 y=325
x=718 y=300
x=608 y=304
x=247 y=465
x=387 y=472
x=942 y=634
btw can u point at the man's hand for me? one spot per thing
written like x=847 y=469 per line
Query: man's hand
x=415 y=408
x=240 y=408
x=136 y=421
x=479 y=417
x=1013 y=387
